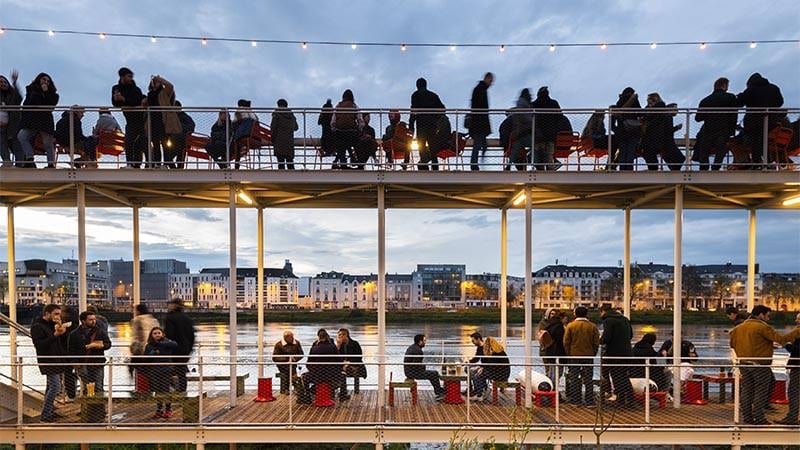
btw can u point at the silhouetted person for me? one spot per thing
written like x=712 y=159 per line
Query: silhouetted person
x=581 y=342
x=479 y=124
x=46 y=334
x=424 y=122
x=658 y=134
x=521 y=125
x=283 y=126
x=414 y=365
x=546 y=130
x=627 y=128
x=760 y=93
x=41 y=93
x=84 y=145
x=717 y=127
x=616 y=342
x=326 y=143
x=218 y=140
x=367 y=146
x=179 y=327
x=346 y=123
x=10 y=95
x=644 y=349
x=125 y=94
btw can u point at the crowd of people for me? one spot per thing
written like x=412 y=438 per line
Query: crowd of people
x=568 y=344
x=159 y=138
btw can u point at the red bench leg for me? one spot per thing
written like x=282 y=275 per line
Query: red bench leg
x=322 y=395
x=391 y=396
x=414 y=395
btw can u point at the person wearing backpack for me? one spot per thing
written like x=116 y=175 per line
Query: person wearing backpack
x=346 y=123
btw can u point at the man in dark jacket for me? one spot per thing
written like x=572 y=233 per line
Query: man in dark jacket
x=285 y=355
x=126 y=94
x=283 y=126
x=546 y=124
x=479 y=125
x=86 y=345
x=10 y=95
x=179 y=327
x=717 y=127
x=324 y=366
x=425 y=122
x=616 y=341
x=793 y=365
x=644 y=349
x=40 y=93
x=46 y=333
x=735 y=316
x=84 y=145
x=414 y=366
x=554 y=326
x=353 y=366
x=760 y=93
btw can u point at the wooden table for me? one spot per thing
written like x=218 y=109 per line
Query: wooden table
x=452 y=388
x=722 y=379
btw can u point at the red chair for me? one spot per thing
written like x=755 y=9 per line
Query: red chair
x=586 y=149
x=693 y=392
x=545 y=399
x=567 y=142
x=196 y=144
x=778 y=145
x=398 y=148
x=110 y=143
x=260 y=137
x=456 y=151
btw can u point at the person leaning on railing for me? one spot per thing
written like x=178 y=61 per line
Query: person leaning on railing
x=760 y=93
x=126 y=95
x=346 y=123
x=10 y=95
x=627 y=129
x=41 y=92
x=718 y=127
x=752 y=343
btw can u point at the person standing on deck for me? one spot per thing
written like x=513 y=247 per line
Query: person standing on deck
x=478 y=123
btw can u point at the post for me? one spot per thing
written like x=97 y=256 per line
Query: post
x=260 y=288
x=647 y=390
x=227 y=138
x=736 y=390
x=71 y=139
x=200 y=389
x=136 y=260
x=765 y=142
x=232 y=291
x=528 y=334
x=20 y=387
x=687 y=142
x=110 y=389
x=626 y=268
x=305 y=144
x=557 y=400
x=533 y=144
x=12 y=284
x=751 y=260
x=610 y=149
x=503 y=276
x=149 y=139
x=677 y=298
x=81 y=247
x=381 y=301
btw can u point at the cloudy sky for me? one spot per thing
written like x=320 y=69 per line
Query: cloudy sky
x=84 y=69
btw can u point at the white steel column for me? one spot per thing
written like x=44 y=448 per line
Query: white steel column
x=503 y=276
x=381 y=299
x=528 y=335
x=137 y=296
x=677 y=297
x=12 y=284
x=751 y=261
x=260 y=289
x=81 y=247
x=232 y=292
x=626 y=266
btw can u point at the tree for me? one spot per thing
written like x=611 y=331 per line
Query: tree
x=64 y=292
x=568 y=294
x=720 y=288
x=611 y=288
x=692 y=283
x=50 y=292
x=781 y=291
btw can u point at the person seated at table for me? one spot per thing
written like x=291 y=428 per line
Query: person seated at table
x=366 y=147
x=490 y=363
x=688 y=356
x=286 y=354
x=84 y=145
x=396 y=139
x=351 y=353
x=414 y=367
x=644 y=350
x=324 y=366
x=217 y=142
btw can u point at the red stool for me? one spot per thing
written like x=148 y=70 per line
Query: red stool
x=142 y=382
x=693 y=394
x=506 y=385
x=778 y=395
x=322 y=395
x=540 y=396
x=658 y=395
x=264 y=390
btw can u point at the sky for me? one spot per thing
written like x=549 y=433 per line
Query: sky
x=84 y=69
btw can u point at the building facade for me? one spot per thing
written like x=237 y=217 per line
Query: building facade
x=209 y=288
x=41 y=281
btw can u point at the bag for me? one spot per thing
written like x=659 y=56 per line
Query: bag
x=631 y=124
x=545 y=339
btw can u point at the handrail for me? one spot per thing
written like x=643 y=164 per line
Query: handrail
x=7 y=320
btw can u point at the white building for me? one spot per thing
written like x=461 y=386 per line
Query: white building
x=337 y=290
x=41 y=281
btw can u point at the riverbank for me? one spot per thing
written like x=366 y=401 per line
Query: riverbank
x=472 y=316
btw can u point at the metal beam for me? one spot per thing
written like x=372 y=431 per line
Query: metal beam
x=82 y=288
x=232 y=325
x=260 y=288
x=12 y=282
x=650 y=197
x=777 y=200
x=166 y=193
x=301 y=197
x=381 y=300
x=751 y=260
x=137 y=294
x=441 y=195
x=528 y=334
x=700 y=190
x=45 y=194
x=503 y=276
x=677 y=294
x=112 y=195
x=626 y=261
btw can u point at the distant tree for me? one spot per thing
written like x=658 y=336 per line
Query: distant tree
x=781 y=292
x=568 y=294
x=721 y=288
x=692 y=283
x=611 y=288
x=64 y=291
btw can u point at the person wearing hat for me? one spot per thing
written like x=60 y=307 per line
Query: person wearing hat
x=546 y=130
x=126 y=95
x=179 y=327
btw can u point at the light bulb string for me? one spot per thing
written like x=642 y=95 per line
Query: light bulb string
x=402 y=44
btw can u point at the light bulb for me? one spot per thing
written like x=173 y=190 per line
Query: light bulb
x=153 y=39
x=51 y=33
x=703 y=46
x=2 y=30
x=253 y=44
x=304 y=45
x=452 y=48
x=502 y=48
x=552 y=47
x=653 y=45
x=603 y=46
x=403 y=48
x=753 y=44
x=353 y=46
x=101 y=35
x=204 y=41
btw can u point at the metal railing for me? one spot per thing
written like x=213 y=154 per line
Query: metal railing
x=562 y=140
x=714 y=393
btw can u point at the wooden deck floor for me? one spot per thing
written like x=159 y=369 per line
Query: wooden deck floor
x=361 y=409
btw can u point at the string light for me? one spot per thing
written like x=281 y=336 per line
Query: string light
x=452 y=45
x=502 y=48
x=304 y=45
x=403 y=48
x=552 y=47
x=253 y=44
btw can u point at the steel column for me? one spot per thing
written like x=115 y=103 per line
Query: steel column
x=751 y=260
x=232 y=291
x=260 y=289
x=503 y=276
x=677 y=297
x=626 y=268
x=81 y=248
x=12 y=282
x=137 y=296
x=381 y=299
x=528 y=334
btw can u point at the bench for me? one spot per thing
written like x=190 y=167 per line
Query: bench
x=93 y=408
x=407 y=384
x=502 y=385
x=660 y=396
x=239 y=380
x=539 y=398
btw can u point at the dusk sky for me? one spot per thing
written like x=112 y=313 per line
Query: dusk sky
x=84 y=69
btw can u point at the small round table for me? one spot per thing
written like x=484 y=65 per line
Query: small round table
x=452 y=388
